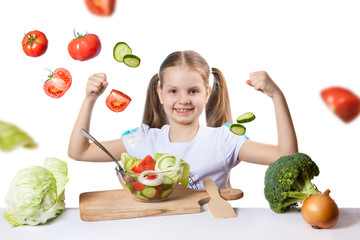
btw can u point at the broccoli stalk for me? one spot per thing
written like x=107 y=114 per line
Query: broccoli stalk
x=288 y=181
x=302 y=191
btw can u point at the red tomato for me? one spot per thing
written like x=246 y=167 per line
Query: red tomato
x=145 y=164
x=138 y=186
x=34 y=43
x=58 y=83
x=344 y=103
x=117 y=101
x=158 y=192
x=101 y=7
x=151 y=176
x=84 y=47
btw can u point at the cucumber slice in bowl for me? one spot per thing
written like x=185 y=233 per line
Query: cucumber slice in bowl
x=246 y=117
x=131 y=60
x=149 y=191
x=121 y=49
x=238 y=129
x=139 y=196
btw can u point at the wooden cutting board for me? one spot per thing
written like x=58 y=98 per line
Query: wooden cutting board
x=117 y=204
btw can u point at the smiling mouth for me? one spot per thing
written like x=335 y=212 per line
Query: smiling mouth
x=183 y=110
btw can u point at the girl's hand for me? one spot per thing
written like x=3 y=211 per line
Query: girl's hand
x=261 y=81
x=96 y=85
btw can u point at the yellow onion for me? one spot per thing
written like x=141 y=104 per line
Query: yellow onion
x=320 y=210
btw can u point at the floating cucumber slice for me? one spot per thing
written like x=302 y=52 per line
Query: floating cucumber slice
x=120 y=50
x=246 y=117
x=238 y=129
x=131 y=60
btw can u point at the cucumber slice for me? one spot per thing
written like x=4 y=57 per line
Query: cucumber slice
x=131 y=60
x=149 y=191
x=238 y=129
x=139 y=196
x=246 y=117
x=120 y=50
x=166 y=193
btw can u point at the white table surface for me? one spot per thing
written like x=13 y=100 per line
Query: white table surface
x=250 y=223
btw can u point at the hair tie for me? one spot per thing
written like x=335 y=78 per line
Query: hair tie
x=211 y=77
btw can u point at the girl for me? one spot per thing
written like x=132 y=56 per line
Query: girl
x=176 y=98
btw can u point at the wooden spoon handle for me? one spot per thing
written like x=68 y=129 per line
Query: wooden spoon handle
x=211 y=188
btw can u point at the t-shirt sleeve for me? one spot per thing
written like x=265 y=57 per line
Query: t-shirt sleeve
x=230 y=146
x=132 y=138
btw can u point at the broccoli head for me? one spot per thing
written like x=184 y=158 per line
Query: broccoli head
x=288 y=181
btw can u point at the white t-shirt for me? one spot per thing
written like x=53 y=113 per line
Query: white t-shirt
x=211 y=153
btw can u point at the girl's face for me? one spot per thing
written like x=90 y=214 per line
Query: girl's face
x=183 y=94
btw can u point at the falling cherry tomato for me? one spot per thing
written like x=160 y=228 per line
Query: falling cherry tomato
x=103 y=8
x=343 y=102
x=34 y=43
x=84 y=47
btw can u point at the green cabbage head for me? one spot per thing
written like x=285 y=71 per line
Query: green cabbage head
x=36 y=194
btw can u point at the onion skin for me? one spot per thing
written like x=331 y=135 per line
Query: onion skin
x=320 y=210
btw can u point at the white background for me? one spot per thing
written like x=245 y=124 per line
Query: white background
x=305 y=46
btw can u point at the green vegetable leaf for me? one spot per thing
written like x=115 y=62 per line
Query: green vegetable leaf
x=186 y=173
x=35 y=196
x=59 y=170
x=12 y=137
x=158 y=156
x=128 y=161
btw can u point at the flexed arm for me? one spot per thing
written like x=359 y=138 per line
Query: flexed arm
x=287 y=142
x=79 y=146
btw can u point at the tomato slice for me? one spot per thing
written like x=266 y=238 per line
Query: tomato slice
x=65 y=75
x=58 y=83
x=145 y=164
x=117 y=101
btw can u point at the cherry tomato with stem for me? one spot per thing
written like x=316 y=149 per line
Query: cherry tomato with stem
x=84 y=47
x=34 y=43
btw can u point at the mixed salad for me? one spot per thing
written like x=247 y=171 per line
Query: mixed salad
x=154 y=178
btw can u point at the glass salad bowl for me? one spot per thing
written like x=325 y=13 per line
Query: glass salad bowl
x=150 y=186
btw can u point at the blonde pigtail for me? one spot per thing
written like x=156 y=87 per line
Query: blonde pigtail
x=217 y=109
x=154 y=115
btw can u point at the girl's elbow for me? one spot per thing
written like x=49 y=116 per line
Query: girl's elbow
x=73 y=155
x=287 y=151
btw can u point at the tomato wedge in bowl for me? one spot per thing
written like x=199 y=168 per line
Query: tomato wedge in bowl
x=117 y=101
